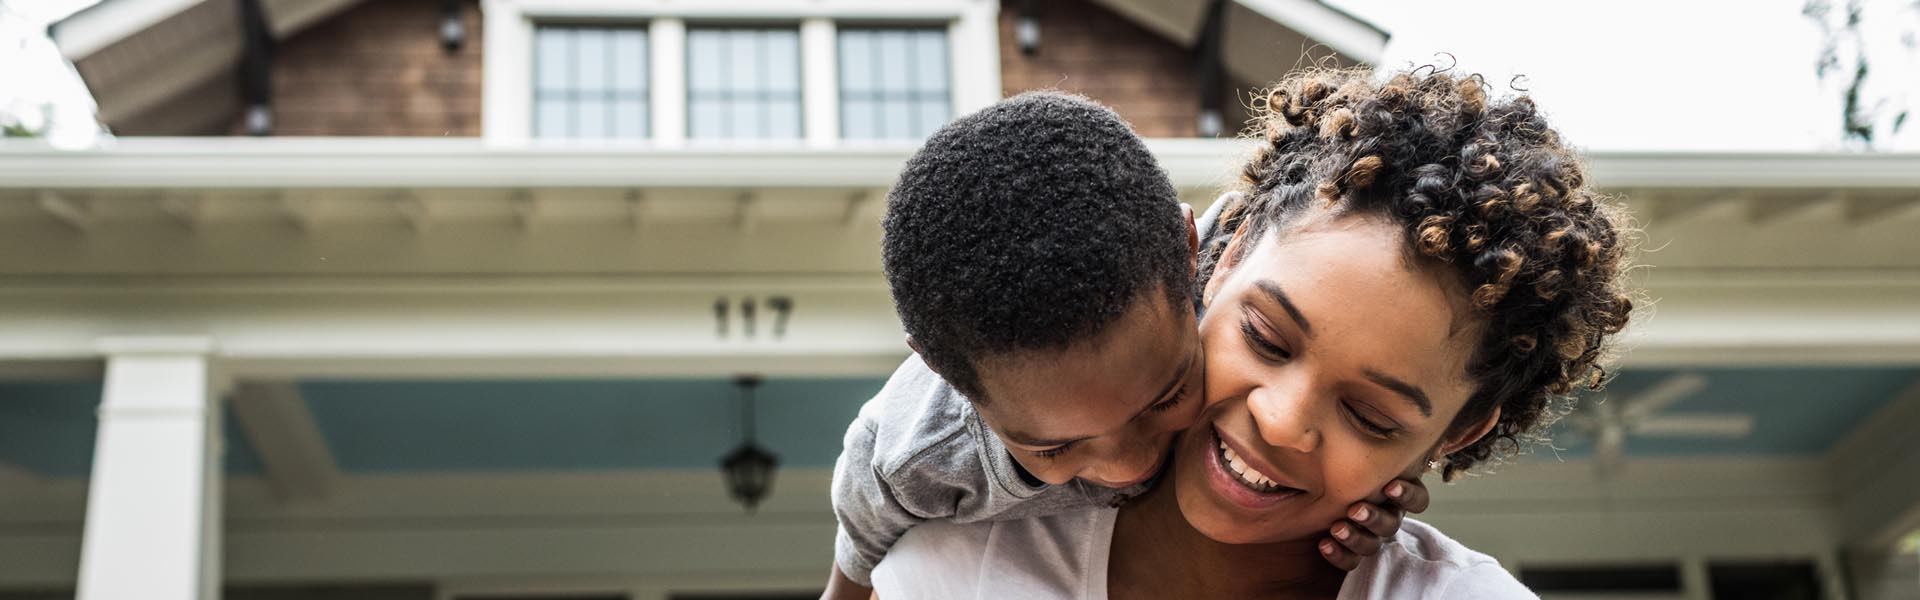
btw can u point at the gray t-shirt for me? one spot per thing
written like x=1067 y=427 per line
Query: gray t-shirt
x=1066 y=556
x=919 y=452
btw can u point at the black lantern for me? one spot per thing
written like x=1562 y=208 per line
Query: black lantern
x=749 y=468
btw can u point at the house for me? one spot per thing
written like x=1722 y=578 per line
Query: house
x=436 y=299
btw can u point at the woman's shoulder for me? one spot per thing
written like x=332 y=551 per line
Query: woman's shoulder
x=1422 y=562
x=1059 y=556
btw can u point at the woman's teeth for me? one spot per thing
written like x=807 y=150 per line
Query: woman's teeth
x=1247 y=475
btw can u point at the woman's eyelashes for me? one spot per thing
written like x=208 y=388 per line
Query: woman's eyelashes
x=1261 y=345
x=1368 y=425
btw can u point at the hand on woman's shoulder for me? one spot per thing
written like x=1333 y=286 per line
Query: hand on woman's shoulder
x=1421 y=562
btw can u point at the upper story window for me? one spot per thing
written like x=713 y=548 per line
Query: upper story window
x=743 y=83
x=894 y=82
x=590 y=82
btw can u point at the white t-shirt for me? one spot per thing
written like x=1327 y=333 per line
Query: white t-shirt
x=1065 y=556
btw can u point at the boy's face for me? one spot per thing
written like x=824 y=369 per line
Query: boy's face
x=1106 y=410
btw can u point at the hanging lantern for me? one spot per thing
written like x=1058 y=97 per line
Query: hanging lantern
x=749 y=468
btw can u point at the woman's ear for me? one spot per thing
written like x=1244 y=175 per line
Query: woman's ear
x=1470 y=435
x=1229 y=258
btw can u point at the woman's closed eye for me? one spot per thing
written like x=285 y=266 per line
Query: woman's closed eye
x=1265 y=347
x=1371 y=426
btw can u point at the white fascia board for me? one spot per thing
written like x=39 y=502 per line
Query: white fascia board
x=215 y=163
x=1344 y=33
x=99 y=26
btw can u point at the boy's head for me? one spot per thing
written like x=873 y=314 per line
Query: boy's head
x=1043 y=265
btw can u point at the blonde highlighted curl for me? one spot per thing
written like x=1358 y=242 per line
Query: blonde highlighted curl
x=1483 y=186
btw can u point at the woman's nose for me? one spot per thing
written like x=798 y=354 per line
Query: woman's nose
x=1285 y=417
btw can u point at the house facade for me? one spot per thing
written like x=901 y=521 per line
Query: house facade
x=424 y=299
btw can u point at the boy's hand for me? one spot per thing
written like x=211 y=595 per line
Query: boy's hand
x=1358 y=536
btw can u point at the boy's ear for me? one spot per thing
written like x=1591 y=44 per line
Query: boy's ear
x=1193 y=233
x=915 y=345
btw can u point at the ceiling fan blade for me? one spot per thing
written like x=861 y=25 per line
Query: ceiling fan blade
x=1609 y=451
x=1661 y=395
x=1715 y=425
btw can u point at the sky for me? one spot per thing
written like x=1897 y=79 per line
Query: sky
x=1660 y=75
x=38 y=89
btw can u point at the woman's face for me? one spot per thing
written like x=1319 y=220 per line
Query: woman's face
x=1334 y=364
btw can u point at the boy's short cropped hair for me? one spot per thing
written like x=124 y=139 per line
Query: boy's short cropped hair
x=1029 y=225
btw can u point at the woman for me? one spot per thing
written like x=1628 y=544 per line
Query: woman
x=1416 y=280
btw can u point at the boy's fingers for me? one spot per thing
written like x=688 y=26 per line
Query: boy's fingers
x=1341 y=557
x=1356 y=539
x=1370 y=519
x=1409 y=494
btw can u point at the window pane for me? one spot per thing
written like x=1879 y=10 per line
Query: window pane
x=896 y=120
x=630 y=119
x=856 y=62
x=704 y=120
x=783 y=119
x=550 y=119
x=894 y=83
x=930 y=61
x=932 y=115
x=894 y=60
x=856 y=119
x=629 y=60
x=751 y=87
x=743 y=120
x=591 y=64
x=703 y=60
x=589 y=81
x=592 y=118
x=743 y=60
x=550 y=51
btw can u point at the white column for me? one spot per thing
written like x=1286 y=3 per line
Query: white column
x=820 y=87
x=506 y=96
x=153 y=502
x=975 y=41
x=667 y=45
x=1695 y=583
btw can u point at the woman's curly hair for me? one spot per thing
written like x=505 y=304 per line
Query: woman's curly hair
x=1484 y=186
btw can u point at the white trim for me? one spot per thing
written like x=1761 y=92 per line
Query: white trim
x=1321 y=23
x=215 y=163
x=506 y=103
x=973 y=44
x=277 y=423
x=99 y=26
x=667 y=51
x=1873 y=472
x=820 y=87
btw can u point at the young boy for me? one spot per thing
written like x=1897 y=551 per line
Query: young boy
x=1043 y=268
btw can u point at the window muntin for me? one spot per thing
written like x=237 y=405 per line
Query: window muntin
x=743 y=83
x=590 y=82
x=894 y=82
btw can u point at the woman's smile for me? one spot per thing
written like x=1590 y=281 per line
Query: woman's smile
x=1233 y=477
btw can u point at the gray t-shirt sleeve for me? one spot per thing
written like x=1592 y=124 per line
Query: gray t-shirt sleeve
x=919 y=452
x=872 y=517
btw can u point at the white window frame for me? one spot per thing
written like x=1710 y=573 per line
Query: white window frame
x=507 y=84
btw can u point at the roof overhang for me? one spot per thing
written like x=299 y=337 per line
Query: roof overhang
x=467 y=163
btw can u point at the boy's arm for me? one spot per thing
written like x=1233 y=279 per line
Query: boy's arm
x=872 y=513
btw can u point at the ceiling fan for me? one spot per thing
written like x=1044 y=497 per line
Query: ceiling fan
x=1607 y=421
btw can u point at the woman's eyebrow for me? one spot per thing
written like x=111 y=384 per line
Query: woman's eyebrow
x=1408 y=390
x=1279 y=296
